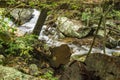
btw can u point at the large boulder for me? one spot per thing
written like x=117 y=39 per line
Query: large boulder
x=22 y=15
x=72 y=28
x=97 y=66
x=60 y=55
x=8 y=73
x=75 y=71
x=103 y=66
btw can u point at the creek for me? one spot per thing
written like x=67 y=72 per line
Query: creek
x=53 y=40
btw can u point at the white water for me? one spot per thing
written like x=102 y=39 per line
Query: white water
x=51 y=40
x=28 y=27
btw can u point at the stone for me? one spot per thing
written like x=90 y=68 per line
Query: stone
x=21 y=15
x=111 y=43
x=116 y=54
x=103 y=66
x=101 y=32
x=33 y=70
x=75 y=71
x=2 y=58
x=72 y=28
x=60 y=55
x=8 y=73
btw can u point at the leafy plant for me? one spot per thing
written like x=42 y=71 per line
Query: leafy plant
x=21 y=45
x=117 y=14
x=49 y=76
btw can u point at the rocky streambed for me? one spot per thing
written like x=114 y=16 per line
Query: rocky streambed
x=68 y=45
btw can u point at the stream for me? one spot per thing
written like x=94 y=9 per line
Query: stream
x=52 y=40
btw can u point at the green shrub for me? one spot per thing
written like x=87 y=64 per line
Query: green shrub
x=21 y=45
x=49 y=76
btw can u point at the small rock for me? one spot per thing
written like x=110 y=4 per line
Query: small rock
x=2 y=58
x=33 y=70
x=111 y=43
x=101 y=33
x=116 y=54
x=79 y=57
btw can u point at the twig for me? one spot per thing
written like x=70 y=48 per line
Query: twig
x=100 y=21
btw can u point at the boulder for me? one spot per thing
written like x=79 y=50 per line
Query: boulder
x=75 y=71
x=8 y=73
x=60 y=55
x=72 y=28
x=22 y=15
x=103 y=66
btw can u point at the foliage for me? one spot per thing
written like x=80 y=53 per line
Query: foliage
x=49 y=76
x=116 y=14
x=11 y=2
x=2 y=11
x=21 y=45
x=5 y=31
x=12 y=44
x=86 y=15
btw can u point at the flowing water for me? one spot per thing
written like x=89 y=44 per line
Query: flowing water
x=52 y=40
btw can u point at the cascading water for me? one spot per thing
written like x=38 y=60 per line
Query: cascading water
x=51 y=40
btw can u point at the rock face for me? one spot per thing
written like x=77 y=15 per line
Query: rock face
x=96 y=67
x=72 y=28
x=21 y=15
x=60 y=55
x=75 y=71
x=7 y=73
x=103 y=66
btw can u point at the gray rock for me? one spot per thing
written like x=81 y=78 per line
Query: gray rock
x=105 y=67
x=111 y=43
x=33 y=69
x=75 y=71
x=72 y=28
x=101 y=31
x=110 y=23
x=116 y=54
x=7 y=73
x=2 y=58
x=22 y=15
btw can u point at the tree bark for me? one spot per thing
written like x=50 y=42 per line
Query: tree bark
x=40 y=22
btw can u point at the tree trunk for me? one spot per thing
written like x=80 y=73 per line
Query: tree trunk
x=40 y=22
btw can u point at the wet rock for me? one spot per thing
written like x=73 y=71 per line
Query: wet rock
x=72 y=28
x=78 y=57
x=7 y=73
x=101 y=32
x=110 y=23
x=75 y=71
x=21 y=15
x=33 y=70
x=60 y=55
x=2 y=58
x=116 y=54
x=111 y=43
x=103 y=66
